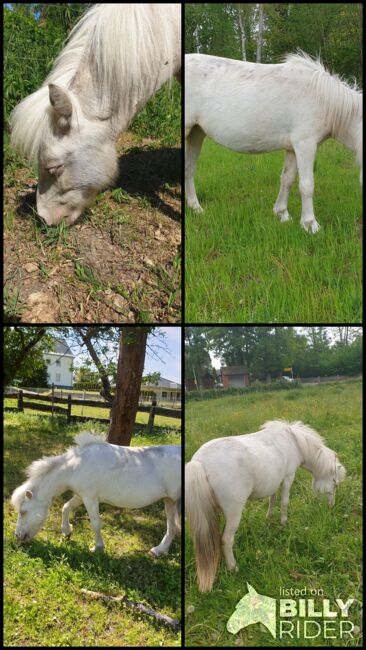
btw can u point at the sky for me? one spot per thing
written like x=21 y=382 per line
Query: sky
x=161 y=356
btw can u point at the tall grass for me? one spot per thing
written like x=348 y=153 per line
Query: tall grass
x=319 y=548
x=243 y=265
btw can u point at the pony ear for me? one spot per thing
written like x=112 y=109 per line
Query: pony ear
x=28 y=494
x=60 y=102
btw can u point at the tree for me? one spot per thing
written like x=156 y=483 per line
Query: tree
x=197 y=358
x=23 y=351
x=131 y=359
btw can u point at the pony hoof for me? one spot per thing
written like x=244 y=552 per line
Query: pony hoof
x=153 y=552
x=97 y=549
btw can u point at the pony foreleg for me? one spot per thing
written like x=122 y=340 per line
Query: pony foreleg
x=305 y=154
x=93 y=512
x=74 y=502
x=287 y=178
x=286 y=486
x=193 y=144
x=171 y=528
x=272 y=500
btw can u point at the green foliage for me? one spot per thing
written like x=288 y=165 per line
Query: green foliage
x=161 y=117
x=30 y=48
x=23 y=355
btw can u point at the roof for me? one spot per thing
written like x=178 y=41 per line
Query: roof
x=164 y=383
x=60 y=347
x=235 y=370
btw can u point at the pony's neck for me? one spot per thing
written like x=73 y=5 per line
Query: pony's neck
x=53 y=483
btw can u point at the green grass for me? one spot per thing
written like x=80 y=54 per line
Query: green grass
x=320 y=547
x=44 y=605
x=243 y=265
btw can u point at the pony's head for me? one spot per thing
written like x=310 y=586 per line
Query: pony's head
x=76 y=159
x=327 y=484
x=32 y=513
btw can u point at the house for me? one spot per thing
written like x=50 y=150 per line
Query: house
x=59 y=365
x=235 y=376
x=162 y=390
x=206 y=380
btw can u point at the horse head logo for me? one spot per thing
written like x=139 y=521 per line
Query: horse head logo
x=253 y=608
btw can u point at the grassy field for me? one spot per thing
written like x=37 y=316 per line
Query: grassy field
x=320 y=547
x=44 y=605
x=243 y=265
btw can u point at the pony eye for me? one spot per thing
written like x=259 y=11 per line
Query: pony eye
x=55 y=171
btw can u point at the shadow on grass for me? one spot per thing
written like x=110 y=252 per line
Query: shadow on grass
x=134 y=574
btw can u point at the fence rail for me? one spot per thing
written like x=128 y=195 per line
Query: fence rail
x=30 y=401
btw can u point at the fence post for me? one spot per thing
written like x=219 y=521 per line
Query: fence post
x=68 y=409
x=150 y=423
x=20 y=402
x=53 y=397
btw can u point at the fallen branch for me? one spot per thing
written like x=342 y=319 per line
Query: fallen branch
x=162 y=618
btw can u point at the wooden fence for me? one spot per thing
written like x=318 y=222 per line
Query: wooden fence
x=27 y=400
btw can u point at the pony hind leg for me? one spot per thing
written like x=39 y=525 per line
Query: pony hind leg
x=285 y=493
x=74 y=502
x=232 y=516
x=271 y=504
x=172 y=527
x=92 y=507
x=193 y=145
x=287 y=178
x=305 y=154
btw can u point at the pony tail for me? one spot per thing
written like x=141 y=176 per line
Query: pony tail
x=201 y=510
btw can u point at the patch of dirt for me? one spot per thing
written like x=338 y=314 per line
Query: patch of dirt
x=120 y=263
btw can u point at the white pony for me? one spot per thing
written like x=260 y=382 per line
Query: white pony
x=225 y=472
x=98 y=472
x=116 y=58
x=255 y=108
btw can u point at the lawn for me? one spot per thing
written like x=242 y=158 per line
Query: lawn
x=243 y=265
x=320 y=547
x=44 y=604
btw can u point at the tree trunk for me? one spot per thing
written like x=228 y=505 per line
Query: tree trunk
x=260 y=34
x=87 y=339
x=131 y=359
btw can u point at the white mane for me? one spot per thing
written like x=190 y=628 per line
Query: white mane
x=340 y=100
x=86 y=438
x=111 y=61
x=311 y=445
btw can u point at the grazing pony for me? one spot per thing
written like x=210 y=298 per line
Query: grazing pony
x=255 y=108
x=224 y=473
x=116 y=58
x=98 y=472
